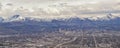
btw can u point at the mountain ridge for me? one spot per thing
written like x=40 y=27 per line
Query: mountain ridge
x=28 y=25
x=16 y=18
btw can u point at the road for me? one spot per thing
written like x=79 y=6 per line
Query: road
x=66 y=42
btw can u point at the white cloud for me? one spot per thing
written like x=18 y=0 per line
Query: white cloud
x=58 y=8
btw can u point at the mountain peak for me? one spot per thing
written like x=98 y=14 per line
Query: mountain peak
x=109 y=15
x=15 y=16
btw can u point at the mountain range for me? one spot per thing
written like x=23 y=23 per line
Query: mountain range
x=22 y=25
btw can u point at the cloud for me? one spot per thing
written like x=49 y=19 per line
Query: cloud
x=58 y=8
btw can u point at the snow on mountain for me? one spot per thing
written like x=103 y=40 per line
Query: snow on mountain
x=109 y=16
x=31 y=24
x=1 y=19
x=21 y=18
x=14 y=18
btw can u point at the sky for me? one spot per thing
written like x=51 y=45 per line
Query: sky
x=59 y=8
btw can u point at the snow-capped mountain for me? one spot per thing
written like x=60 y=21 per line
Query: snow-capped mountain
x=1 y=19
x=108 y=17
x=21 y=24
x=16 y=18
